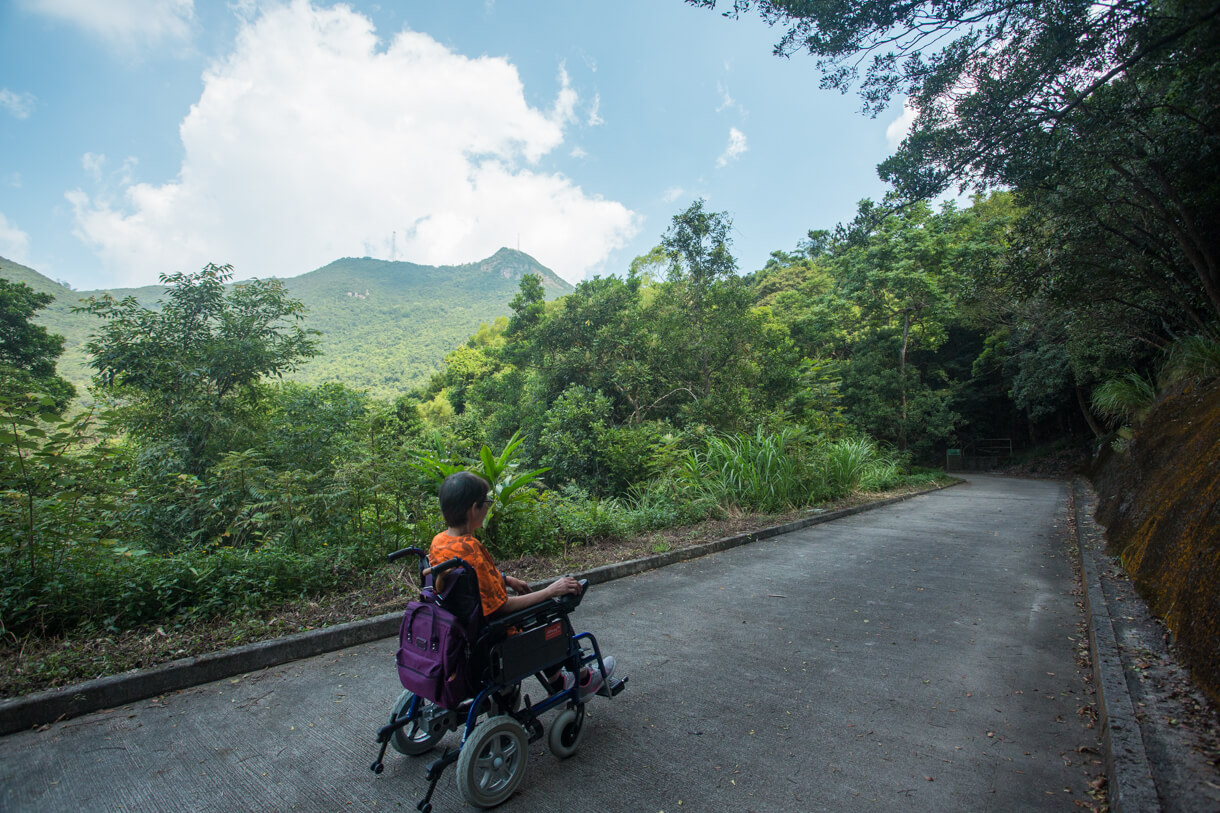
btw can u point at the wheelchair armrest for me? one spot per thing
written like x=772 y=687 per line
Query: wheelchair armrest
x=541 y=613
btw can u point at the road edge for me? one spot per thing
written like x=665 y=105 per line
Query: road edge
x=53 y=705
x=1131 y=788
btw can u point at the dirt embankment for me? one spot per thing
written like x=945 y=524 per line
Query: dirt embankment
x=1160 y=503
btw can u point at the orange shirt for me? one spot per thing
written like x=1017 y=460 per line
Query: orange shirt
x=492 y=592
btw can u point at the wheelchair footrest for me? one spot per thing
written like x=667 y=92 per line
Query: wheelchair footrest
x=613 y=687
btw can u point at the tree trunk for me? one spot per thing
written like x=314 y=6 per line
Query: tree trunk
x=902 y=378
x=1088 y=415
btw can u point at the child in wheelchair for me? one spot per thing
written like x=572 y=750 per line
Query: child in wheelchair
x=466 y=647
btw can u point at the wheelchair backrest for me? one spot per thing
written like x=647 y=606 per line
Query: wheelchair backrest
x=457 y=590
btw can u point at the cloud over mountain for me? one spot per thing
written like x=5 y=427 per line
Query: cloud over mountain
x=314 y=139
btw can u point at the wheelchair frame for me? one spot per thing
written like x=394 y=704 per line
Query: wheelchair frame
x=492 y=753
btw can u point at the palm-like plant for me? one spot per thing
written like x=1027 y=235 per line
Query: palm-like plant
x=511 y=489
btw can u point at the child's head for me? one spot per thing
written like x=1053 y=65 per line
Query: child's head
x=458 y=493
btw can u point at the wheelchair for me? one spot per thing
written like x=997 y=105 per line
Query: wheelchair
x=497 y=720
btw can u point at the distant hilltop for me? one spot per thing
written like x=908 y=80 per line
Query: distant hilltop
x=386 y=325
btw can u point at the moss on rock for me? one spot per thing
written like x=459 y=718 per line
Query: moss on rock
x=1160 y=503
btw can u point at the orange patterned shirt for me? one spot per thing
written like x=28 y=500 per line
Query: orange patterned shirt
x=492 y=591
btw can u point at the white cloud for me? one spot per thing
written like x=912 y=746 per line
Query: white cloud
x=19 y=105
x=313 y=140
x=123 y=23
x=14 y=243
x=900 y=126
x=93 y=163
x=564 y=110
x=673 y=193
x=578 y=152
x=726 y=101
x=737 y=145
x=595 y=118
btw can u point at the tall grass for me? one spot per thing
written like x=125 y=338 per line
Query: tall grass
x=857 y=463
x=1194 y=358
x=1125 y=399
x=772 y=473
x=760 y=472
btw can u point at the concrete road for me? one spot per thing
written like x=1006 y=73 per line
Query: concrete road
x=916 y=657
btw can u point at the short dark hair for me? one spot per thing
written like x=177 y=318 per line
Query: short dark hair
x=458 y=493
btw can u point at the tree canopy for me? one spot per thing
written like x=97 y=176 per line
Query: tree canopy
x=1104 y=118
x=183 y=366
x=27 y=350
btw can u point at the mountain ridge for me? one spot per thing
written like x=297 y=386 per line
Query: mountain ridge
x=386 y=324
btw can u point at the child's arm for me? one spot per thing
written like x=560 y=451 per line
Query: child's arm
x=560 y=587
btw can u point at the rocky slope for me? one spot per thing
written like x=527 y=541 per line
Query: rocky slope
x=1160 y=503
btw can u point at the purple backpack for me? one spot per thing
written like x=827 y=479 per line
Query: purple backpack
x=434 y=643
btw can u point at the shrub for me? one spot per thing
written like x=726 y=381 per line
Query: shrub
x=96 y=589
x=571 y=441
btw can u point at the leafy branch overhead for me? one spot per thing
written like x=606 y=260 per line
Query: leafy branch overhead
x=1103 y=117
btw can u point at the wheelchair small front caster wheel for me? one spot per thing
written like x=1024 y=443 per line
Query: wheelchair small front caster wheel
x=567 y=729
x=492 y=762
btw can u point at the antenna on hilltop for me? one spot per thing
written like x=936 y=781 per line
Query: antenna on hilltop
x=394 y=245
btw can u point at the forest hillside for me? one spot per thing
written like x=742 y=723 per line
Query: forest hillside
x=385 y=326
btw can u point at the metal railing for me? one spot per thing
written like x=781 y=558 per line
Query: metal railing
x=978 y=455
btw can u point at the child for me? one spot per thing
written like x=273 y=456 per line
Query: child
x=465 y=501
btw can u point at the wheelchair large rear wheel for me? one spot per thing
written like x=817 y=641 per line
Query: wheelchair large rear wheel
x=414 y=738
x=492 y=762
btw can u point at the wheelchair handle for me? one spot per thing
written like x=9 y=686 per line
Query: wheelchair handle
x=419 y=554
x=443 y=566
x=398 y=554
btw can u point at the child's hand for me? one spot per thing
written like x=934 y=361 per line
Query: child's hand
x=564 y=586
x=517 y=585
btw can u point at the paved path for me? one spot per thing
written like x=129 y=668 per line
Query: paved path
x=916 y=657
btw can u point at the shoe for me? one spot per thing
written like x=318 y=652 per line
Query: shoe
x=590 y=677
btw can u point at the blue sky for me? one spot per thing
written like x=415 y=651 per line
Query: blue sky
x=140 y=137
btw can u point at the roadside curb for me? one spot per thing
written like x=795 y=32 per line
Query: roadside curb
x=1131 y=787
x=53 y=705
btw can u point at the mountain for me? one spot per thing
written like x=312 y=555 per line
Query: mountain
x=386 y=325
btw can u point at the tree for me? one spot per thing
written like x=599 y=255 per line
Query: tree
x=187 y=369
x=1106 y=116
x=27 y=351
x=572 y=441
x=902 y=280
x=702 y=314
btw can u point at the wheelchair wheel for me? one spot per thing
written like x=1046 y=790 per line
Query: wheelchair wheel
x=414 y=738
x=492 y=762
x=567 y=729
